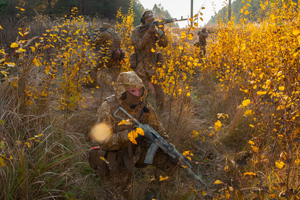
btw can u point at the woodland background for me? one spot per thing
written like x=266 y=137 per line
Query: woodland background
x=233 y=112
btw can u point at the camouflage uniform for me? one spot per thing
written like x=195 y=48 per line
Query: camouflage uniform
x=108 y=45
x=144 y=43
x=202 y=41
x=121 y=154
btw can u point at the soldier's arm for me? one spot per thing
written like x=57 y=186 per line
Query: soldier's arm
x=117 y=139
x=154 y=121
x=163 y=41
x=206 y=34
x=137 y=41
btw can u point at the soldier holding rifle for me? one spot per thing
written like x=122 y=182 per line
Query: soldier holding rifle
x=146 y=59
x=118 y=152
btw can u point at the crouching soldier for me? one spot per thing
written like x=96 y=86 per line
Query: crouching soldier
x=117 y=155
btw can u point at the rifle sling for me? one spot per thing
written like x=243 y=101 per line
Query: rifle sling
x=151 y=153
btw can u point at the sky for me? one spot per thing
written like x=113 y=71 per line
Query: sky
x=178 y=8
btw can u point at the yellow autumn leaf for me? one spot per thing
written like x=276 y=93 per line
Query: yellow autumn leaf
x=124 y=122
x=259 y=93
x=196 y=24
x=218 y=182
x=140 y=131
x=36 y=62
x=255 y=148
x=102 y=158
x=246 y=102
x=1 y=27
x=27 y=144
x=281 y=88
x=279 y=164
x=152 y=50
x=191 y=19
x=32 y=49
x=297 y=161
x=163 y=178
x=218 y=125
x=132 y=135
x=296 y=32
x=243 y=47
x=77 y=32
x=20 y=50
x=14 y=45
x=10 y=64
x=251 y=142
x=249 y=174
x=281 y=107
x=248 y=112
x=204 y=193
x=227 y=194
x=183 y=166
x=195 y=134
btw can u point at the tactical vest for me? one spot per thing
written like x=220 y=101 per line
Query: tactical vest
x=114 y=105
x=117 y=38
x=117 y=53
x=202 y=38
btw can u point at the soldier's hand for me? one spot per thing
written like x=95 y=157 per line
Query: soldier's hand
x=162 y=27
x=151 y=29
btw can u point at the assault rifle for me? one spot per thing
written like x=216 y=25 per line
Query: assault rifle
x=158 y=142
x=161 y=22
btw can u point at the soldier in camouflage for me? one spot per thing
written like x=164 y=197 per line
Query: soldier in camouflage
x=121 y=154
x=107 y=43
x=202 y=41
x=145 y=59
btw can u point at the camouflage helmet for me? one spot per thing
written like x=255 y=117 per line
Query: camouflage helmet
x=128 y=80
x=106 y=25
x=147 y=13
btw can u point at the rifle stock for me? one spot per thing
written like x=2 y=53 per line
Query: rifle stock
x=161 y=22
x=159 y=142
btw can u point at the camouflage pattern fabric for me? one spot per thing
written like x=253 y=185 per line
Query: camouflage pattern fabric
x=202 y=40
x=106 y=43
x=147 y=60
x=119 y=141
x=119 y=138
x=144 y=44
